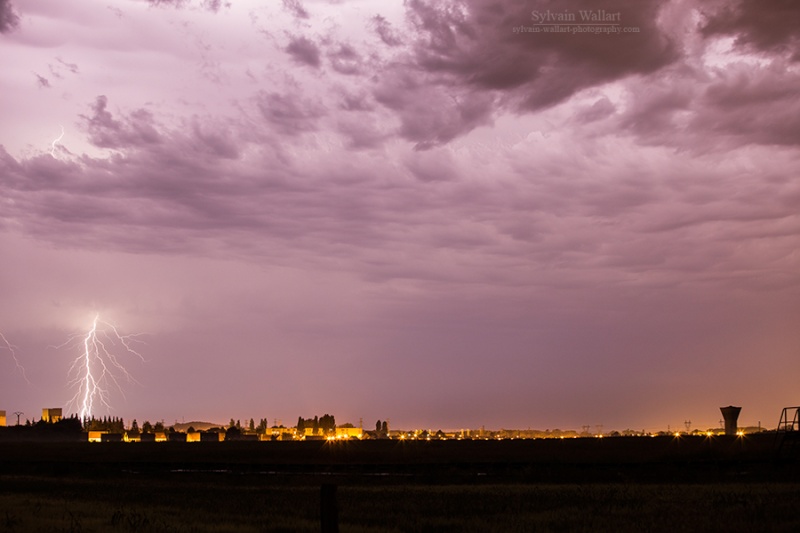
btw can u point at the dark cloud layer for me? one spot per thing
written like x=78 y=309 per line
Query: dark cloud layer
x=106 y=132
x=8 y=18
x=345 y=60
x=385 y=31
x=474 y=44
x=755 y=105
x=765 y=25
x=304 y=51
x=469 y=52
x=295 y=7
x=290 y=114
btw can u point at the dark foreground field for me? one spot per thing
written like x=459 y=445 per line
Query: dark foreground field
x=620 y=484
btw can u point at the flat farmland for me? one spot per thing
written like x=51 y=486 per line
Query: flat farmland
x=612 y=484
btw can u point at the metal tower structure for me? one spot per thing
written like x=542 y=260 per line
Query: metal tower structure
x=788 y=431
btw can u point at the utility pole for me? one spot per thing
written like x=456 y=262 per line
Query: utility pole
x=18 y=413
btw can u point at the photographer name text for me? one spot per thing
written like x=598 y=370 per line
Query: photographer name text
x=598 y=16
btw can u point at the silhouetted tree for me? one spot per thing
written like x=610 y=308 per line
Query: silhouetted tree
x=252 y=425
x=147 y=427
x=232 y=423
x=159 y=426
x=233 y=433
x=70 y=425
x=385 y=429
x=327 y=423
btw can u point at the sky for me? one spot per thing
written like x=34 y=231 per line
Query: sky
x=445 y=214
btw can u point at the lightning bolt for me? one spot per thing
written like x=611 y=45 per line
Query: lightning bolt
x=96 y=369
x=53 y=144
x=11 y=349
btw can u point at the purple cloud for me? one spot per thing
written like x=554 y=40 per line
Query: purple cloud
x=345 y=60
x=174 y=3
x=209 y=5
x=42 y=82
x=535 y=219
x=431 y=115
x=765 y=25
x=304 y=51
x=106 y=132
x=8 y=18
x=753 y=104
x=385 y=31
x=72 y=67
x=290 y=114
x=295 y=7
x=470 y=54
x=476 y=46
x=599 y=110
x=216 y=141
x=746 y=103
x=214 y=5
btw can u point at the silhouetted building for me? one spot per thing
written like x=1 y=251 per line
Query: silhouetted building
x=111 y=437
x=176 y=436
x=731 y=416
x=51 y=415
x=211 y=436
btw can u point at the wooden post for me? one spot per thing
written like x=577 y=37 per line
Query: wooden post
x=328 y=512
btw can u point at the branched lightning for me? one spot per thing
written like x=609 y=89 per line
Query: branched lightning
x=5 y=344
x=53 y=144
x=97 y=367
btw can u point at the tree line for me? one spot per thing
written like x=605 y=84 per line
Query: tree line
x=325 y=424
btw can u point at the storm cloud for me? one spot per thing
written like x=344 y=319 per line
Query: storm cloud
x=561 y=227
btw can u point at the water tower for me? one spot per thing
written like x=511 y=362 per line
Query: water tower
x=731 y=416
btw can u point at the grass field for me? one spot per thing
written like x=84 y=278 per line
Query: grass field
x=622 y=486
x=226 y=504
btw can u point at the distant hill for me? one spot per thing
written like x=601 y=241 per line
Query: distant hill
x=199 y=426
